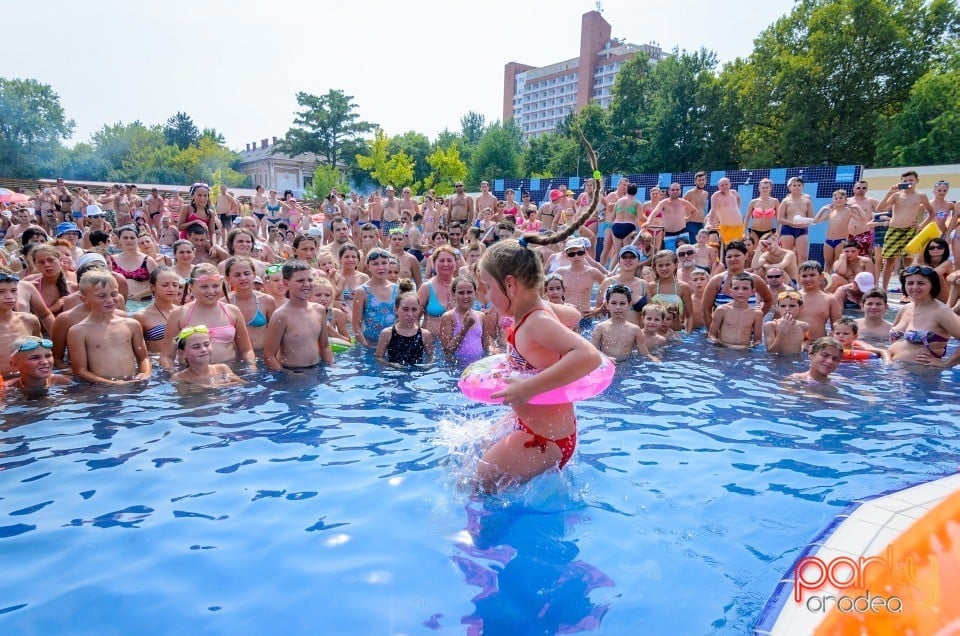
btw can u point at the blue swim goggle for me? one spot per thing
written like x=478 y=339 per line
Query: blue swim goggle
x=30 y=345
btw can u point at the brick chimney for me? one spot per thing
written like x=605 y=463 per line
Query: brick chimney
x=265 y=142
x=274 y=141
x=248 y=147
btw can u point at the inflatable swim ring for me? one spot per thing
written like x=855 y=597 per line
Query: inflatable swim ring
x=339 y=346
x=485 y=377
x=856 y=355
x=924 y=236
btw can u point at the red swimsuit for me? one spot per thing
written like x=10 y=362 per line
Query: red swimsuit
x=566 y=444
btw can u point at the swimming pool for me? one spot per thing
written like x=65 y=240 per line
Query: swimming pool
x=302 y=507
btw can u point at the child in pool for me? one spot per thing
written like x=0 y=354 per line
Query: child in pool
x=405 y=342
x=825 y=356
x=461 y=328
x=105 y=347
x=653 y=316
x=13 y=324
x=698 y=282
x=195 y=350
x=737 y=324
x=297 y=331
x=845 y=331
x=544 y=436
x=374 y=301
x=617 y=337
x=323 y=292
x=32 y=358
x=786 y=334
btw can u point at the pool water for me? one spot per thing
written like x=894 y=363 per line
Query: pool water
x=330 y=502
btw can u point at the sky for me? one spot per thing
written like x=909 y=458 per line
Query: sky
x=415 y=65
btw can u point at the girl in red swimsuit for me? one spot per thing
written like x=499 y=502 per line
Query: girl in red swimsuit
x=545 y=436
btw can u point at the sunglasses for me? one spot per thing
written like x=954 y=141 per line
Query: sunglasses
x=941 y=183
x=934 y=246
x=789 y=294
x=30 y=345
x=372 y=256
x=686 y=253
x=186 y=332
x=577 y=253
x=274 y=269
x=774 y=275
x=918 y=269
x=8 y=278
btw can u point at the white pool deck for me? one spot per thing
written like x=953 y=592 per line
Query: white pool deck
x=866 y=531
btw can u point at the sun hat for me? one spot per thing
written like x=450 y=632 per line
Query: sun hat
x=67 y=227
x=555 y=194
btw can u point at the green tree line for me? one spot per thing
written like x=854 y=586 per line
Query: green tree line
x=873 y=82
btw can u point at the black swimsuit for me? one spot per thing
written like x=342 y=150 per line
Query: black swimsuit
x=405 y=349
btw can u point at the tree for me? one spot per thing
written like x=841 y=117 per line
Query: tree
x=327 y=126
x=472 y=127
x=927 y=130
x=180 y=131
x=325 y=179
x=124 y=148
x=386 y=169
x=497 y=156
x=417 y=146
x=821 y=78
x=446 y=169
x=214 y=136
x=32 y=123
x=628 y=108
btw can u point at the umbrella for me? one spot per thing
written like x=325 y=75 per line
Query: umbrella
x=9 y=196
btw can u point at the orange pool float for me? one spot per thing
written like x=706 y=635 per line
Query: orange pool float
x=924 y=576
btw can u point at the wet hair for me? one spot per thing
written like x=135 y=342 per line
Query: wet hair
x=743 y=276
x=806 y=266
x=632 y=189
x=405 y=289
x=820 y=344
x=463 y=279
x=98 y=238
x=876 y=292
x=160 y=269
x=737 y=245
x=234 y=233
x=92 y=266
x=650 y=308
x=850 y=244
x=40 y=248
x=513 y=257
x=849 y=322
x=197 y=228
x=305 y=237
x=180 y=243
x=618 y=288
x=236 y=260
x=910 y=173
x=933 y=277
x=348 y=247
x=97 y=279
x=293 y=266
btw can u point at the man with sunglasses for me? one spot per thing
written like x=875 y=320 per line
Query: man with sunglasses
x=14 y=324
x=461 y=206
x=31 y=357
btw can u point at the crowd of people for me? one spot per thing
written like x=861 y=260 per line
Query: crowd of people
x=221 y=284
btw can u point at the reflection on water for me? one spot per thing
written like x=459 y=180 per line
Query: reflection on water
x=335 y=500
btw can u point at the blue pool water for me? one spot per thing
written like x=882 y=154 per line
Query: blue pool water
x=333 y=507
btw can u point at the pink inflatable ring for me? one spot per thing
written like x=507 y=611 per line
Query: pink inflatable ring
x=485 y=377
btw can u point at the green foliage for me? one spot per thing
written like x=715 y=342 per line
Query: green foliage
x=328 y=126
x=927 y=130
x=325 y=179
x=386 y=168
x=446 y=168
x=180 y=131
x=497 y=156
x=472 y=127
x=821 y=78
x=417 y=147
x=32 y=123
